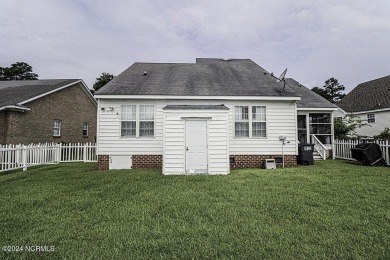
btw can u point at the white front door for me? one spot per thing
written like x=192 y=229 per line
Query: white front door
x=196 y=146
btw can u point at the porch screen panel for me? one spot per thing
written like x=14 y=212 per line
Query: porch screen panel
x=146 y=120
x=128 y=120
x=241 y=121
x=321 y=127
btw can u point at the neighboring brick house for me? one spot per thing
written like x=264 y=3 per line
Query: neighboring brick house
x=40 y=111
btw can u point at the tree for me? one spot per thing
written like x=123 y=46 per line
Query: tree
x=17 y=71
x=384 y=135
x=332 y=90
x=345 y=128
x=102 y=80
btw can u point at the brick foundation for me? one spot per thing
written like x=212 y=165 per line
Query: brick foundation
x=258 y=161
x=103 y=162
x=147 y=161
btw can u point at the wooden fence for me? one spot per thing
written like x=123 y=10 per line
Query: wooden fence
x=343 y=149
x=23 y=156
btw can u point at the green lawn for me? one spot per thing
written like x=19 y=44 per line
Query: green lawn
x=334 y=210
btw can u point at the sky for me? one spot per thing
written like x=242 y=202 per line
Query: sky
x=315 y=40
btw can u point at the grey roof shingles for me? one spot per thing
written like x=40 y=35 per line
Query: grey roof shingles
x=309 y=99
x=17 y=91
x=370 y=95
x=206 y=77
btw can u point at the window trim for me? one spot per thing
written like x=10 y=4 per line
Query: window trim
x=137 y=120
x=59 y=127
x=86 y=124
x=120 y=122
x=250 y=121
x=371 y=118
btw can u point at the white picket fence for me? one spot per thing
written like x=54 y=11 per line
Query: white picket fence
x=343 y=149
x=23 y=156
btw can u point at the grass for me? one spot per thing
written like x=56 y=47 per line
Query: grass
x=333 y=210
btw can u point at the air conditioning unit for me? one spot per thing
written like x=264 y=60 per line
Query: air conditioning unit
x=270 y=164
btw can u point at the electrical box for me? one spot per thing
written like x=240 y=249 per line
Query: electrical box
x=270 y=164
x=118 y=162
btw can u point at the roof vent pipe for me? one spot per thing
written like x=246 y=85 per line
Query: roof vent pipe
x=145 y=73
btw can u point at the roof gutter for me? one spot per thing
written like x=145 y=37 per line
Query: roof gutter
x=370 y=111
x=161 y=97
x=15 y=108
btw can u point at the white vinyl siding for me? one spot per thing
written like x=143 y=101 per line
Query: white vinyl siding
x=174 y=141
x=280 y=120
x=382 y=119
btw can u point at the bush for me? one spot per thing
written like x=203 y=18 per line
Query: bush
x=384 y=135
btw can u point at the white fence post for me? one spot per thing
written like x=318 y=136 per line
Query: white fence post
x=24 y=156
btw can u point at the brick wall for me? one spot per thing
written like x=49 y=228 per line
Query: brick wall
x=236 y=161
x=70 y=105
x=147 y=161
x=258 y=161
x=103 y=162
x=3 y=126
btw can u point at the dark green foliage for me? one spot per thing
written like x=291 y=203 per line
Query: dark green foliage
x=334 y=210
x=17 y=71
x=384 y=135
x=345 y=128
x=102 y=80
x=332 y=90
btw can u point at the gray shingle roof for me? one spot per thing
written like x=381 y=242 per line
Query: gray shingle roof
x=370 y=95
x=309 y=99
x=206 y=77
x=16 y=91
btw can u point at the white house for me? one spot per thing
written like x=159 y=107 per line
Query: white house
x=206 y=117
x=371 y=102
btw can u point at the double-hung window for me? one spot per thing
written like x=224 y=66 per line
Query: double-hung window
x=241 y=123
x=57 y=128
x=129 y=120
x=370 y=118
x=250 y=121
x=146 y=120
x=85 y=129
x=137 y=120
x=258 y=121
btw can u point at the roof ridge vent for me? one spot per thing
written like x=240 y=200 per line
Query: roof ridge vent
x=226 y=59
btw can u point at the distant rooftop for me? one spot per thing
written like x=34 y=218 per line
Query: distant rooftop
x=370 y=95
x=16 y=91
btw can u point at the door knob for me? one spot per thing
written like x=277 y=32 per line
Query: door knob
x=186 y=148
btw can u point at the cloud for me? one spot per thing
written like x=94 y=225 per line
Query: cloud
x=81 y=39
